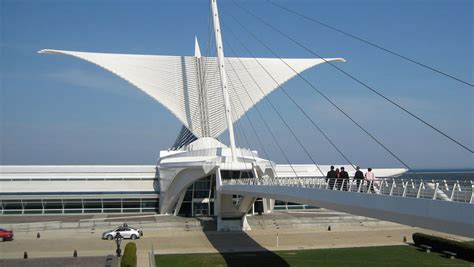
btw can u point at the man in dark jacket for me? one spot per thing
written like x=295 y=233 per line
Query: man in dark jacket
x=331 y=177
x=359 y=176
x=343 y=179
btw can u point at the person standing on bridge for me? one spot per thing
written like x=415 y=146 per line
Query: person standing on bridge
x=338 y=180
x=370 y=177
x=344 y=178
x=358 y=176
x=331 y=177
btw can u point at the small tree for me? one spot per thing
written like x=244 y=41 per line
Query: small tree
x=129 y=258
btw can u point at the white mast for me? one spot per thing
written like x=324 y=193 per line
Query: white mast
x=220 y=61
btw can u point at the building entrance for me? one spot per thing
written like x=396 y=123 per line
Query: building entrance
x=201 y=209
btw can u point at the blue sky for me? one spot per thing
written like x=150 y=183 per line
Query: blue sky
x=61 y=110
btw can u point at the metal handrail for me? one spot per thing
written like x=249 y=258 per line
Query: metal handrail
x=445 y=190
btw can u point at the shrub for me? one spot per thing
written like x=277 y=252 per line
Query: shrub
x=462 y=250
x=129 y=258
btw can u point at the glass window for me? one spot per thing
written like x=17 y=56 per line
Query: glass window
x=16 y=211
x=201 y=193
x=149 y=203
x=34 y=204
x=33 y=211
x=53 y=204
x=235 y=174
x=188 y=196
x=201 y=209
x=93 y=203
x=131 y=203
x=92 y=210
x=112 y=203
x=247 y=174
x=73 y=204
x=201 y=185
x=225 y=174
x=185 y=210
x=12 y=205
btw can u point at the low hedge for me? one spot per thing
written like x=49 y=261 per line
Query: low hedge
x=463 y=250
x=129 y=258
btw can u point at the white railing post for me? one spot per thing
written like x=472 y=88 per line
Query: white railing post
x=446 y=185
x=392 y=187
x=419 y=189
x=405 y=187
x=452 y=192
x=472 y=193
x=361 y=182
x=435 y=191
x=369 y=187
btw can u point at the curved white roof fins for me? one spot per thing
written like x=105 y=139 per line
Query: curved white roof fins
x=190 y=86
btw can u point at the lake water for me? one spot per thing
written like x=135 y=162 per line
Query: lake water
x=440 y=174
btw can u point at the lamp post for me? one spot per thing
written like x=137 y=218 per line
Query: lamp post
x=118 y=240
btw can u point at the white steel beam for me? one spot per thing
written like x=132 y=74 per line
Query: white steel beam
x=220 y=60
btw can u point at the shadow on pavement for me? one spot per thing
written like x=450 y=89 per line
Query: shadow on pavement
x=239 y=249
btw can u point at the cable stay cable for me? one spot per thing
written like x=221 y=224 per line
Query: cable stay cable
x=320 y=130
x=350 y=76
x=370 y=43
x=266 y=155
x=240 y=129
x=327 y=98
x=252 y=126
x=249 y=121
x=277 y=112
x=265 y=123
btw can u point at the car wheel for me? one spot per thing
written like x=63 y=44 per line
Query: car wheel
x=110 y=237
x=133 y=237
x=1 y=239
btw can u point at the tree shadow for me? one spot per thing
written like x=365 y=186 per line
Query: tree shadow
x=239 y=249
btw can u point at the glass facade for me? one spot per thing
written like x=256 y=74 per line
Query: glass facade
x=199 y=198
x=283 y=205
x=74 y=206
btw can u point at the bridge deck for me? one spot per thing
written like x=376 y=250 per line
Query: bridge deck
x=439 y=205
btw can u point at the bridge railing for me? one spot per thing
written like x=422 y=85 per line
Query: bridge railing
x=447 y=190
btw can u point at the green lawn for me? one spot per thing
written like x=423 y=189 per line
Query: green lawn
x=368 y=256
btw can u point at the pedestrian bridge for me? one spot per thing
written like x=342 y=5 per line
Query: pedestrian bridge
x=446 y=206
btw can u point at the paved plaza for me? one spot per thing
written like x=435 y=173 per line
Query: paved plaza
x=168 y=234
